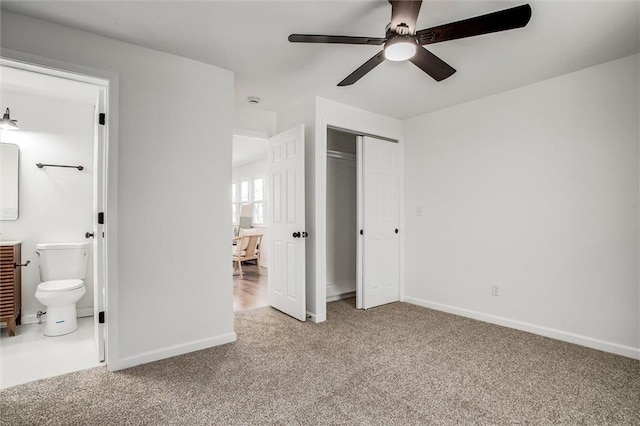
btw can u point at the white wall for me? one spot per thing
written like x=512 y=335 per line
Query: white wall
x=249 y=172
x=536 y=190
x=55 y=204
x=170 y=290
x=250 y=120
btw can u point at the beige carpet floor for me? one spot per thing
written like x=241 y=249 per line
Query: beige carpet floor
x=395 y=364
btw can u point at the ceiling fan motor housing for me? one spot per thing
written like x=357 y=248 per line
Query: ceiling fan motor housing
x=403 y=29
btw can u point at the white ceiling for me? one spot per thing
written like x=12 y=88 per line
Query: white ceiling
x=247 y=150
x=250 y=38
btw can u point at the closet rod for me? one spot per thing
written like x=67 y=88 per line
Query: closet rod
x=339 y=154
x=40 y=165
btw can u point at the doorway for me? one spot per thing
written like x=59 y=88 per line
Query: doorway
x=249 y=206
x=362 y=219
x=342 y=215
x=59 y=114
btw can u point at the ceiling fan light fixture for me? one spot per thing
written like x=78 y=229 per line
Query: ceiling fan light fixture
x=400 y=48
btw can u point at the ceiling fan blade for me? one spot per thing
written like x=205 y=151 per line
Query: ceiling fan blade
x=404 y=12
x=432 y=65
x=309 y=38
x=508 y=19
x=364 y=68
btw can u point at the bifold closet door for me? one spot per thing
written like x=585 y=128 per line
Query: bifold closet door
x=379 y=198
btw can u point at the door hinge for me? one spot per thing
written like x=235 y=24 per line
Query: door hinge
x=102 y=118
x=101 y=317
x=101 y=218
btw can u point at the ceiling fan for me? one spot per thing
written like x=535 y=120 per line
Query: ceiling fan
x=402 y=41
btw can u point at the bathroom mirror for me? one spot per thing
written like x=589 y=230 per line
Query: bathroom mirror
x=9 y=181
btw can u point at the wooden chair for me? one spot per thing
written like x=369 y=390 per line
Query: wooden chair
x=246 y=248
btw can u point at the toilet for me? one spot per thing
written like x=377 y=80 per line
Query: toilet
x=63 y=267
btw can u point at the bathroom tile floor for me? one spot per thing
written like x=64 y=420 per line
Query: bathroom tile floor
x=30 y=355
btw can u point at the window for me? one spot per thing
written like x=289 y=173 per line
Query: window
x=234 y=205
x=258 y=201
x=244 y=191
x=248 y=191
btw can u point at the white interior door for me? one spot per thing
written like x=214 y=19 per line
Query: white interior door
x=379 y=198
x=286 y=282
x=99 y=193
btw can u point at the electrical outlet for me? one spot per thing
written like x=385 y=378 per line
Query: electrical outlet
x=495 y=289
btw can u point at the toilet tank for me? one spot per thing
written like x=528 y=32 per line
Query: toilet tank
x=62 y=261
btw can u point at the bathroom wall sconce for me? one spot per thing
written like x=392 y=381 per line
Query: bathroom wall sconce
x=7 y=123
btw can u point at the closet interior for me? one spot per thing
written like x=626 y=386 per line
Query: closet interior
x=342 y=208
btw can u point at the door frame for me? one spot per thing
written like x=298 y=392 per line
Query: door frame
x=107 y=82
x=331 y=114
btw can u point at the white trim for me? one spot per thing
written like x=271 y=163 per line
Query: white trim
x=334 y=287
x=320 y=202
x=24 y=62
x=84 y=312
x=251 y=134
x=359 y=222
x=342 y=296
x=553 y=333
x=109 y=81
x=30 y=319
x=172 y=351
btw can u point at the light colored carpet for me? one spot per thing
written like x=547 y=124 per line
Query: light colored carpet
x=395 y=364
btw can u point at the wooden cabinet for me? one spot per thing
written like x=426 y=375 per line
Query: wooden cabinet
x=10 y=285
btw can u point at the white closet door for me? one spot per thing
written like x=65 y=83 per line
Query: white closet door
x=286 y=282
x=379 y=196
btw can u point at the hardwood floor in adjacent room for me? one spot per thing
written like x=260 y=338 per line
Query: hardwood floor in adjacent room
x=250 y=292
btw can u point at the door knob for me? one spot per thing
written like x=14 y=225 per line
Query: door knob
x=305 y=234
x=296 y=235
x=88 y=235
x=396 y=230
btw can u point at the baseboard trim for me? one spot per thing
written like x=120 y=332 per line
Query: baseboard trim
x=553 y=333
x=336 y=289
x=80 y=313
x=84 y=312
x=171 y=351
x=312 y=317
x=342 y=296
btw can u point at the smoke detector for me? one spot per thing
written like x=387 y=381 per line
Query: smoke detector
x=253 y=100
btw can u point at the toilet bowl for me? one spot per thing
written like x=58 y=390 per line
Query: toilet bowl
x=62 y=270
x=60 y=298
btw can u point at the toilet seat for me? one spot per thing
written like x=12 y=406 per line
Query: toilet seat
x=60 y=285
